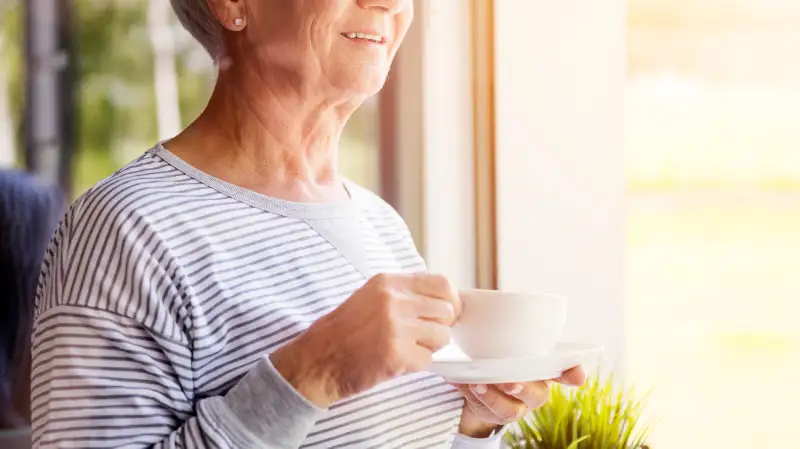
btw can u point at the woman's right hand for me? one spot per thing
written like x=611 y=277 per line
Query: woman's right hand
x=389 y=327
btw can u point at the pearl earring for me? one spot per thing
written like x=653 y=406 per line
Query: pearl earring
x=238 y=22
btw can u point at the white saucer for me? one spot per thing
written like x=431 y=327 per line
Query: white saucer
x=455 y=367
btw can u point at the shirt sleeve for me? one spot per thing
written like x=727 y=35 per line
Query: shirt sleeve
x=494 y=441
x=112 y=358
x=101 y=380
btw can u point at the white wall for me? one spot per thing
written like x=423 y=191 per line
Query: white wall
x=560 y=68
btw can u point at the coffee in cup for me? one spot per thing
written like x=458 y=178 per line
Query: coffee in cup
x=495 y=324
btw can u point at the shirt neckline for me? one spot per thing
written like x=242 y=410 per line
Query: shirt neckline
x=293 y=209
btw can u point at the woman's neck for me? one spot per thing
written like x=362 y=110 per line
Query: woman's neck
x=268 y=134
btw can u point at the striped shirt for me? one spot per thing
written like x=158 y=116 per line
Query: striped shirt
x=162 y=293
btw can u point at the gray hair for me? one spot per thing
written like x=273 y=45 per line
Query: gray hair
x=198 y=20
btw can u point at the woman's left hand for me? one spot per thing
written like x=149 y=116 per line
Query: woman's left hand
x=489 y=406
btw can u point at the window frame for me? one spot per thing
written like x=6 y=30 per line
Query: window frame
x=461 y=97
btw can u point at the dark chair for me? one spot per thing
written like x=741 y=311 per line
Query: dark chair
x=29 y=213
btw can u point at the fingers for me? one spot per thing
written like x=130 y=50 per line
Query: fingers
x=420 y=285
x=504 y=407
x=532 y=394
x=505 y=403
x=574 y=377
x=478 y=407
x=436 y=286
x=435 y=310
x=420 y=358
x=432 y=335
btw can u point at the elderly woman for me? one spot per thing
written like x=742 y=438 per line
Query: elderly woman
x=230 y=289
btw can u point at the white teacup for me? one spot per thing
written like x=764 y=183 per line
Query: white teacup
x=495 y=324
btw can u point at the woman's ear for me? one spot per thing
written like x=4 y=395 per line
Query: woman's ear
x=232 y=14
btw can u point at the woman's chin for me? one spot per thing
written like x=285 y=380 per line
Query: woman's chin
x=367 y=85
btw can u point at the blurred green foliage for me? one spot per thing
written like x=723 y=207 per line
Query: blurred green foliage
x=116 y=101
x=115 y=93
x=602 y=414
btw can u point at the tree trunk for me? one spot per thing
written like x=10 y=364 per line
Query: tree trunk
x=6 y=122
x=165 y=73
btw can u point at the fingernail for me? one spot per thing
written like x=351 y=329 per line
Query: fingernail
x=515 y=389
x=480 y=389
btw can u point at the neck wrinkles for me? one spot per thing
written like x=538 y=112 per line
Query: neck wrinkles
x=276 y=123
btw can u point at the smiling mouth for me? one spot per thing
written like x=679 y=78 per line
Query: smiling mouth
x=375 y=39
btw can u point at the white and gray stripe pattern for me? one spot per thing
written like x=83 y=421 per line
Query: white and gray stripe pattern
x=165 y=288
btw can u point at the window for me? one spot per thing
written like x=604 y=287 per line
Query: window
x=560 y=81
x=647 y=168
x=713 y=175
